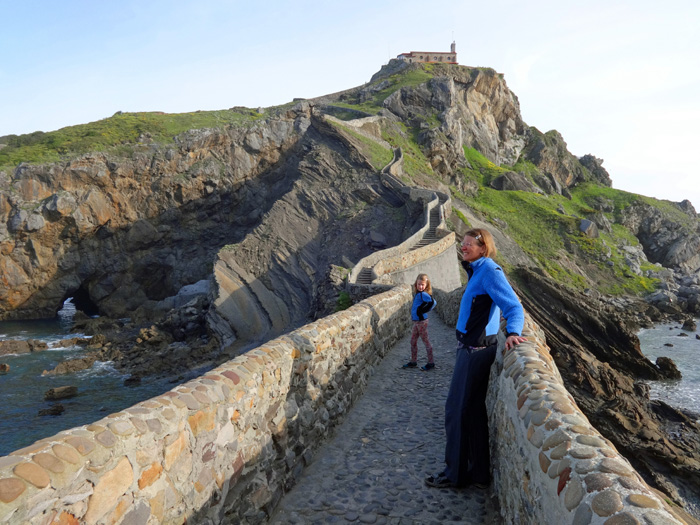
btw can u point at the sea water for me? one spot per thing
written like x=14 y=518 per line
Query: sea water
x=685 y=353
x=101 y=389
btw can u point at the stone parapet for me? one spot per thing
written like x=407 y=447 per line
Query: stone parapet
x=405 y=260
x=220 y=448
x=550 y=464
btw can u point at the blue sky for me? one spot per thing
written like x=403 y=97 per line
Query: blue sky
x=618 y=79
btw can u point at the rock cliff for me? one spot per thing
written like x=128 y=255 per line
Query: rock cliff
x=121 y=233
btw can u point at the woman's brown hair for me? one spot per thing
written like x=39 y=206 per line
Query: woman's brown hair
x=485 y=239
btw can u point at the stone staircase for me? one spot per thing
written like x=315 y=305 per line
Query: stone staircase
x=430 y=236
x=366 y=275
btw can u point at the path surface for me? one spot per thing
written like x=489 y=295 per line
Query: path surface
x=372 y=471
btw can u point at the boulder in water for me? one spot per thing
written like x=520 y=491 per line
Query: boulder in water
x=4 y=368
x=14 y=347
x=61 y=392
x=668 y=368
x=55 y=410
x=689 y=325
x=132 y=380
x=72 y=365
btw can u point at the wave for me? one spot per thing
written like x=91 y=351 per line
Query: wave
x=101 y=369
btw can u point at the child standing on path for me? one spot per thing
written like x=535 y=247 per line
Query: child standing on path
x=423 y=302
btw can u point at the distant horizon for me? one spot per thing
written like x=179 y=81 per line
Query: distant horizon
x=617 y=80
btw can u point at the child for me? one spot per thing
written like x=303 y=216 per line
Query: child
x=422 y=304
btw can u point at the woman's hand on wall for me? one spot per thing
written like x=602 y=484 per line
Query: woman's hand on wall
x=514 y=340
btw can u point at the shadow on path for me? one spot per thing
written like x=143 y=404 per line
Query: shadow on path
x=372 y=470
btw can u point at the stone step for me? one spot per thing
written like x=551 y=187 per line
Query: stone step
x=365 y=276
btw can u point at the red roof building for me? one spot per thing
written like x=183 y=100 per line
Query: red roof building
x=431 y=56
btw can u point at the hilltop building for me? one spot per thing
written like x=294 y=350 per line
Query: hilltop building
x=431 y=56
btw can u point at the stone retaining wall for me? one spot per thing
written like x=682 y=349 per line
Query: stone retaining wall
x=222 y=447
x=401 y=261
x=550 y=464
x=442 y=269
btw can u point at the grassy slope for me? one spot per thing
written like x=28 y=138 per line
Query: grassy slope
x=118 y=134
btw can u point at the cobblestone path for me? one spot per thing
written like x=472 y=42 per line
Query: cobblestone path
x=372 y=471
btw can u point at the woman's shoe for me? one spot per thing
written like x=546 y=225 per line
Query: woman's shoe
x=427 y=366
x=410 y=364
x=440 y=481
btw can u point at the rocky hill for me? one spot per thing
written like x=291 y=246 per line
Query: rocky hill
x=279 y=204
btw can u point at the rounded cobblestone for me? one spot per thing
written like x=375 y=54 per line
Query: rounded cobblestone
x=623 y=518
x=606 y=503
x=596 y=482
x=11 y=489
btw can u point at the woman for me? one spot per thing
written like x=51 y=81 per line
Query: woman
x=487 y=294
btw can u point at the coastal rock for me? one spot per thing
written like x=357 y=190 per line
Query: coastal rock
x=477 y=110
x=512 y=181
x=12 y=346
x=668 y=368
x=690 y=325
x=665 y=301
x=595 y=166
x=61 y=392
x=665 y=241
x=4 y=368
x=125 y=232
x=72 y=365
x=589 y=228
x=18 y=346
x=548 y=151
x=54 y=410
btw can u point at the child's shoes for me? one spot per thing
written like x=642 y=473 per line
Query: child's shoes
x=410 y=364
x=427 y=366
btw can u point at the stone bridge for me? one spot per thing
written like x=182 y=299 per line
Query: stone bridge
x=227 y=446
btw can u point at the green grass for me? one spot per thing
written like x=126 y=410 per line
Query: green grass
x=482 y=169
x=415 y=162
x=410 y=78
x=554 y=241
x=114 y=134
x=461 y=217
x=344 y=301
x=378 y=155
x=585 y=195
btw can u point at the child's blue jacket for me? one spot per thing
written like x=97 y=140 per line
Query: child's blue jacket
x=422 y=304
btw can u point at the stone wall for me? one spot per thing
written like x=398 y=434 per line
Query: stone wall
x=439 y=262
x=550 y=465
x=220 y=448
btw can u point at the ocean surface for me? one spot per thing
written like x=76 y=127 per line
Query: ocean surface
x=101 y=389
x=685 y=352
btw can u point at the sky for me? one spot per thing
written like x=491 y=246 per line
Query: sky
x=618 y=79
